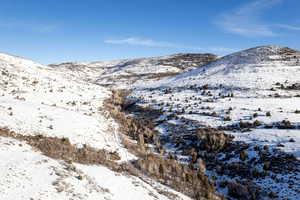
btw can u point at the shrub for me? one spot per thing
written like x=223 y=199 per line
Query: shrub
x=245 y=124
x=256 y=123
x=214 y=114
x=227 y=118
x=243 y=155
x=255 y=173
x=285 y=124
x=213 y=139
x=184 y=179
x=292 y=140
x=238 y=191
x=267 y=165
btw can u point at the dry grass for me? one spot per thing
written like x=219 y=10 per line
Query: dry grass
x=62 y=149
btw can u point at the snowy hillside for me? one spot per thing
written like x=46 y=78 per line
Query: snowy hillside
x=27 y=174
x=259 y=67
x=252 y=95
x=37 y=100
x=42 y=103
x=126 y=72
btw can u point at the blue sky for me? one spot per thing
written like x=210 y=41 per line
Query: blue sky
x=50 y=31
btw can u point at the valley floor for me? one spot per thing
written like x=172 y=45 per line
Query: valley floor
x=264 y=125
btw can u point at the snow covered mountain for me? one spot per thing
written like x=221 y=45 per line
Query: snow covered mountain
x=128 y=71
x=259 y=67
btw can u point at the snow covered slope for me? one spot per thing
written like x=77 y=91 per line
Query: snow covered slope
x=27 y=174
x=43 y=101
x=253 y=95
x=259 y=68
x=126 y=72
x=251 y=82
x=37 y=100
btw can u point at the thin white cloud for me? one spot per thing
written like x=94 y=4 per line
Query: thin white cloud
x=246 y=20
x=141 y=42
x=136 y=41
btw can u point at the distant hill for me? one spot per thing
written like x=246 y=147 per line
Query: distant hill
x=259 y=67
x=128 y=71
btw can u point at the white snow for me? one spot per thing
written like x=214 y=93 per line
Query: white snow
x=40 y=100
x=127 y=187
x=125 y=73
x=35 y=99
x=26 y=174
x=64 y=101
x=249 y=75
x=252 y=77
x=254 y=68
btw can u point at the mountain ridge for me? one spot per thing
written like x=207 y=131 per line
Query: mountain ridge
x=128 y=71
x=254 y=66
